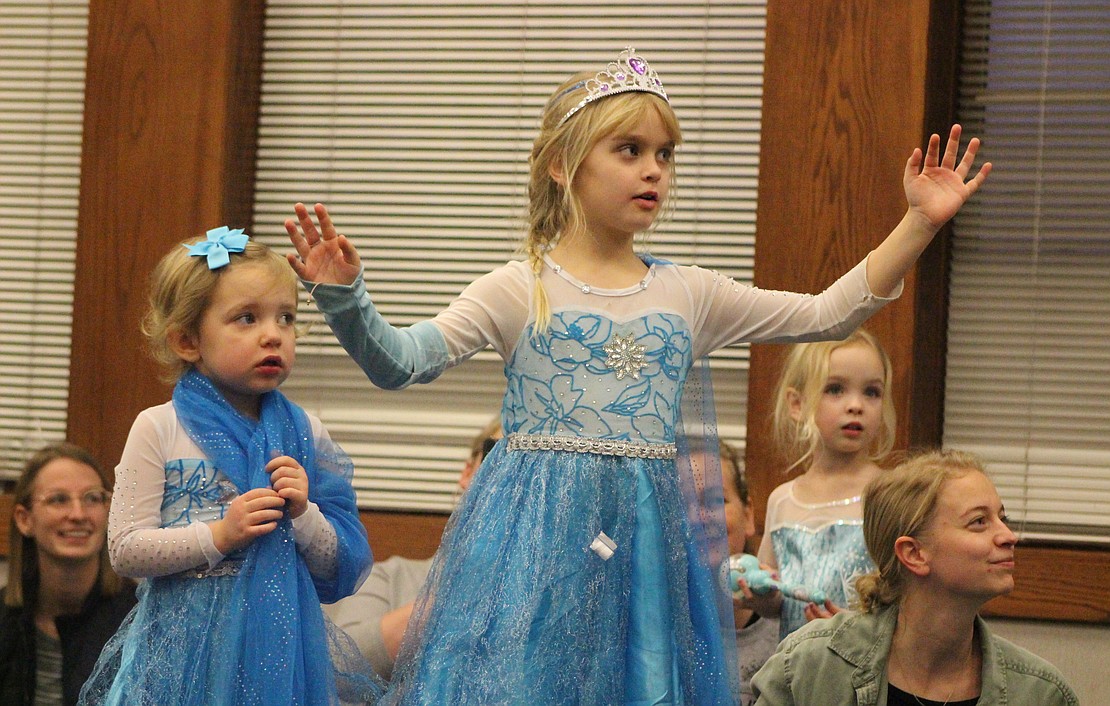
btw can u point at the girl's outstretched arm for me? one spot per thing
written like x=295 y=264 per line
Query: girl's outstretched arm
x=323 y=255
x=936 y=188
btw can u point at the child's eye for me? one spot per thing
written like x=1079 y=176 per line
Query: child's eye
x=665 y=155
x=834 y=388
x=876 y=392
x=287 y=319
x=630 y=150
x=245 y=318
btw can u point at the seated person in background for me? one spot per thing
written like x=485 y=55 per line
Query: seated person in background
x=756 y=637
x=377 y=614
x=63 y=600
x=936 y=530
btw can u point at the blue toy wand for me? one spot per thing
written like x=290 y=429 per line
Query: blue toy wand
x=746 y=566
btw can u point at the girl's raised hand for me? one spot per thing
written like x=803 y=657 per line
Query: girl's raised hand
x=249 y=516
x=323 y=255
x=290 y=481
x=937 y=187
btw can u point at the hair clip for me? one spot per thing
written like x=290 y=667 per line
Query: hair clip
x=220 y=242
x=629 y=72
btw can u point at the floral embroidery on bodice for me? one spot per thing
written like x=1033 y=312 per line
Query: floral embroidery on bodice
x=577 y=377
x=195 y=492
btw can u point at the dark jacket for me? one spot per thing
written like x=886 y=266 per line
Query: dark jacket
x=82 y=636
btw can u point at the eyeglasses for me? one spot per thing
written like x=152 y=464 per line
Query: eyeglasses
x=90 y=500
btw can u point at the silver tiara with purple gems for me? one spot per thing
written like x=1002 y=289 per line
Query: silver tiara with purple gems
x=629 y=72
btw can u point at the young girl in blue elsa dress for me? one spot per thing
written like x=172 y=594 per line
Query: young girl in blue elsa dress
x=585 y=564
x=232 y=503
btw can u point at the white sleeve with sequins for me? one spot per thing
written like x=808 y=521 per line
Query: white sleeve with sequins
x=316 y=538
x=137 y=543
x=316 y=541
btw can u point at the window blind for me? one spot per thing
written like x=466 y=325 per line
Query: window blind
x=1028 y=382
x=42 y=85
x=413 y=122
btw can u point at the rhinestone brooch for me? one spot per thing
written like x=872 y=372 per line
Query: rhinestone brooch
x=625 y=356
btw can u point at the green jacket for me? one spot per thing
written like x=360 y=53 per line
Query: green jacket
x=841 y=661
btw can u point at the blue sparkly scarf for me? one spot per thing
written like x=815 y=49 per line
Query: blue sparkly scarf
x=284 y=647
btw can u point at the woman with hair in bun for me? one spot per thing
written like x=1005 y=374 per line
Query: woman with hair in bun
x=936 y=530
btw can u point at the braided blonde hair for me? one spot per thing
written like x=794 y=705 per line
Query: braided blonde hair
x=552 y=210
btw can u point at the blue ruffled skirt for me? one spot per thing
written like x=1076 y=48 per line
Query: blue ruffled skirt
x=184 y=642
x=519 y=609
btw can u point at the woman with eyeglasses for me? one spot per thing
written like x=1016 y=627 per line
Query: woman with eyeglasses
x=63 y=601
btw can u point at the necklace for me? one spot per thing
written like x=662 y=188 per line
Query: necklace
x=902 y=669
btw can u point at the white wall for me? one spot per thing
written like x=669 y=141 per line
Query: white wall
x=1079 y=650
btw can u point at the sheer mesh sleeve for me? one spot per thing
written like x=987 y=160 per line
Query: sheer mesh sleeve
x=491 y=311
x=727 y=312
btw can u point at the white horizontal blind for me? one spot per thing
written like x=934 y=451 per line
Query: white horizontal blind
x=42 y=86
x=413 y=122
x=1028 y=383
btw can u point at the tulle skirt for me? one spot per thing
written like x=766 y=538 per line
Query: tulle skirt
x=185 y=642
x=518 y=608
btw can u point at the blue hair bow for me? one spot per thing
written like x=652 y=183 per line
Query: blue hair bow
x=220 y=242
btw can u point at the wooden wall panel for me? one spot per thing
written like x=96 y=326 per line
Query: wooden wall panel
x=415 y=535
x=170 y=130
x=850 y=88
x=843 y=107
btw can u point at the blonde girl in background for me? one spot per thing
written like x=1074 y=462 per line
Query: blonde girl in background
x=584 y=565
x=833 y=418
x=937 y=532
x=232 y=504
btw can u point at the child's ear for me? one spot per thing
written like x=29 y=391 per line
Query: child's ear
x=912 y=554
x=183 y=345
x=555 y=171
x=794 y=399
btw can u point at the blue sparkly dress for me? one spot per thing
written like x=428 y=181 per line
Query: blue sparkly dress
x=818 y=545
x=245 y=628
x=585 y=563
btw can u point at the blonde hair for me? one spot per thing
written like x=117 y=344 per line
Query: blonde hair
x=901 y=502
x=805 y=371
x=553 y=210
x=23 y=561
x=181 y=290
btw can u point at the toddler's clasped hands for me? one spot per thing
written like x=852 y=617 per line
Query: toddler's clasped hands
x=256 y=512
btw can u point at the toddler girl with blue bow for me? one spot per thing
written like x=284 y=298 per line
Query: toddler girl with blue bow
x=231 y=503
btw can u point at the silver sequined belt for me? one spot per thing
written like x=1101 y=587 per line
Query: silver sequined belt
x=587 y=445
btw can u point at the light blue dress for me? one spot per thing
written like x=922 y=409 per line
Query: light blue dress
x=817 y=545
x=585 y=563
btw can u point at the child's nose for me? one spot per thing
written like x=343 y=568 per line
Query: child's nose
x=271 y=333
